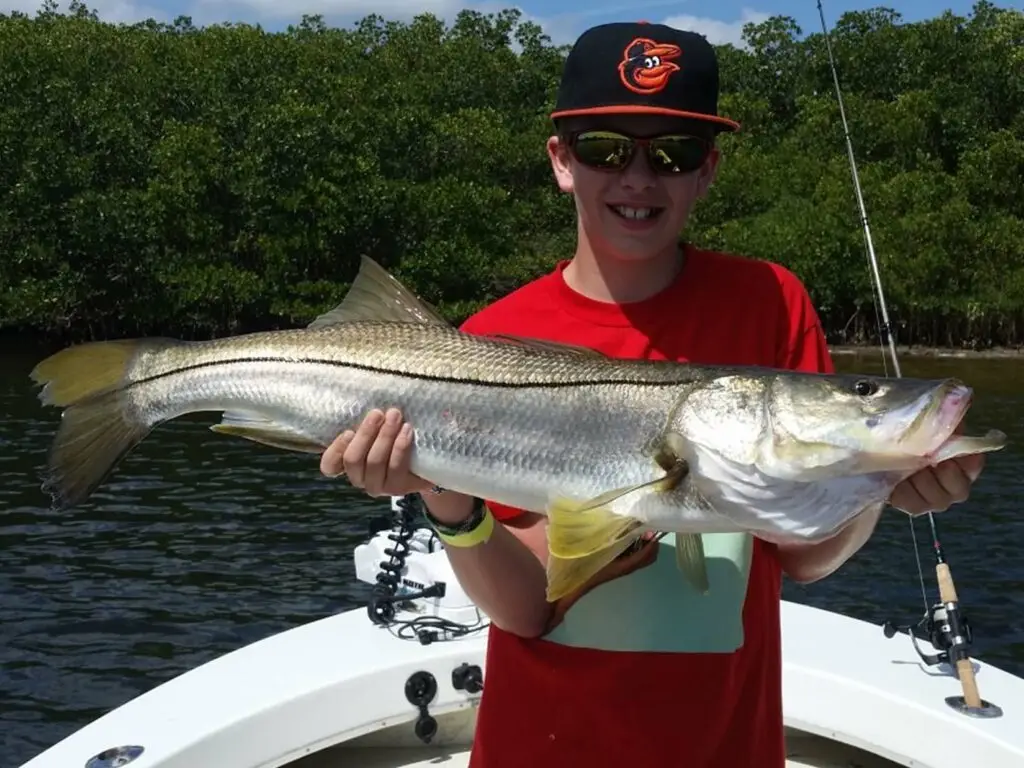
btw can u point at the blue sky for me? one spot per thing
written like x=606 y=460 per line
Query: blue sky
x=720 y=21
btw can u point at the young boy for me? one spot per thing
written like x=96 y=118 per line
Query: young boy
x=635 y=669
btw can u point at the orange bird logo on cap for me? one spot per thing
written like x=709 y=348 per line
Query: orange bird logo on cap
x=646 y=65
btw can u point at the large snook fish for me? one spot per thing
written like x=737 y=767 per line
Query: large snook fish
x=609 y=450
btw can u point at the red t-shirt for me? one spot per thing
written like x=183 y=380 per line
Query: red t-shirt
x=549 y=704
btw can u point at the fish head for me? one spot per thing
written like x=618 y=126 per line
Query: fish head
x=828 y=425
x=795 y=457
x=807 y=427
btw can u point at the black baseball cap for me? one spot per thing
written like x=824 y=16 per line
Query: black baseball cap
x=641 y=68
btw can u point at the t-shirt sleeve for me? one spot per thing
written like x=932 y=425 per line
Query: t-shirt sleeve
x=474 y=324
x=803 y=347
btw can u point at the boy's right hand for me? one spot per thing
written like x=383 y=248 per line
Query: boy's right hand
x=376 y=457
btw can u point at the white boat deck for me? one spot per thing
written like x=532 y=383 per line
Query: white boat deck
x=803 y=751
x=332 y=694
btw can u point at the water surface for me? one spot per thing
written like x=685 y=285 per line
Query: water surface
x=201 y=544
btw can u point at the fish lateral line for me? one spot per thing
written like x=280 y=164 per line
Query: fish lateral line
x=419 y=376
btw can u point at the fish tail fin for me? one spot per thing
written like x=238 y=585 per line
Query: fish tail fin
x=98 y=427
x=93 y=437
x=85 y=370
x=690 y=560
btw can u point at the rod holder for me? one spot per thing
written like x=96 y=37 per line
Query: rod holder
x=986 y=710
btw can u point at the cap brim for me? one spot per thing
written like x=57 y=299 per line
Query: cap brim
x=723 y=123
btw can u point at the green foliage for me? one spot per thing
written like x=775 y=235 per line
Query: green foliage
x=166 y=178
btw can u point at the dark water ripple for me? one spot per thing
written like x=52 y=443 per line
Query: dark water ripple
x=201 y=544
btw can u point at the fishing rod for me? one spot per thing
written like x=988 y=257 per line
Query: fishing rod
x=948 y=628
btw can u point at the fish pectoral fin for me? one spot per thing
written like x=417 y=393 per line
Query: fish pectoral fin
x=689 y=546
x=547 y=346
x=258 y=429
x=690 y=560
x=583 y=538
x=670 y=480
x=376 y=294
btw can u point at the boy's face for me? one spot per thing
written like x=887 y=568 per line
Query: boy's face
x=607 y=202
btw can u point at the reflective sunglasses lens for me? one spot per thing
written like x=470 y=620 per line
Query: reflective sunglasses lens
x=667 y=154
x=601 y=149
x=677 y=154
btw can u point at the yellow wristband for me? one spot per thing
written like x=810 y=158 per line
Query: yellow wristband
x=479 y=535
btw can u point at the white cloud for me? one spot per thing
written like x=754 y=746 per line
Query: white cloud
x=718 y=32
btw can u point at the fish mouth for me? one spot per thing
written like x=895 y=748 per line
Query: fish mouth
x=949 y=413
x=935 y=424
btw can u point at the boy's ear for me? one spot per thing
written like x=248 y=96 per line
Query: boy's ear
x=561 y=163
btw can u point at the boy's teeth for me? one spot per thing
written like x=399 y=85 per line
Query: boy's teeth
x=634 y=213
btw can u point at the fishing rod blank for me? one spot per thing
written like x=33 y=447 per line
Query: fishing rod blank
x=948 y=628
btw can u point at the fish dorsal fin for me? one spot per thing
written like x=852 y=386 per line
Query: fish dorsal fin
x=377 y=295
x=547 y=346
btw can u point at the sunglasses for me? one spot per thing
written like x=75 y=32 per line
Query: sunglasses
x=666 y=155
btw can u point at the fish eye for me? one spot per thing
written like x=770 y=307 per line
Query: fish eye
x=865 y=387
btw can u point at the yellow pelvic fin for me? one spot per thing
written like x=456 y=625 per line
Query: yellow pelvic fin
x=376 y=294
x=578 y=529
x=583 y=539
x=567 y=576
